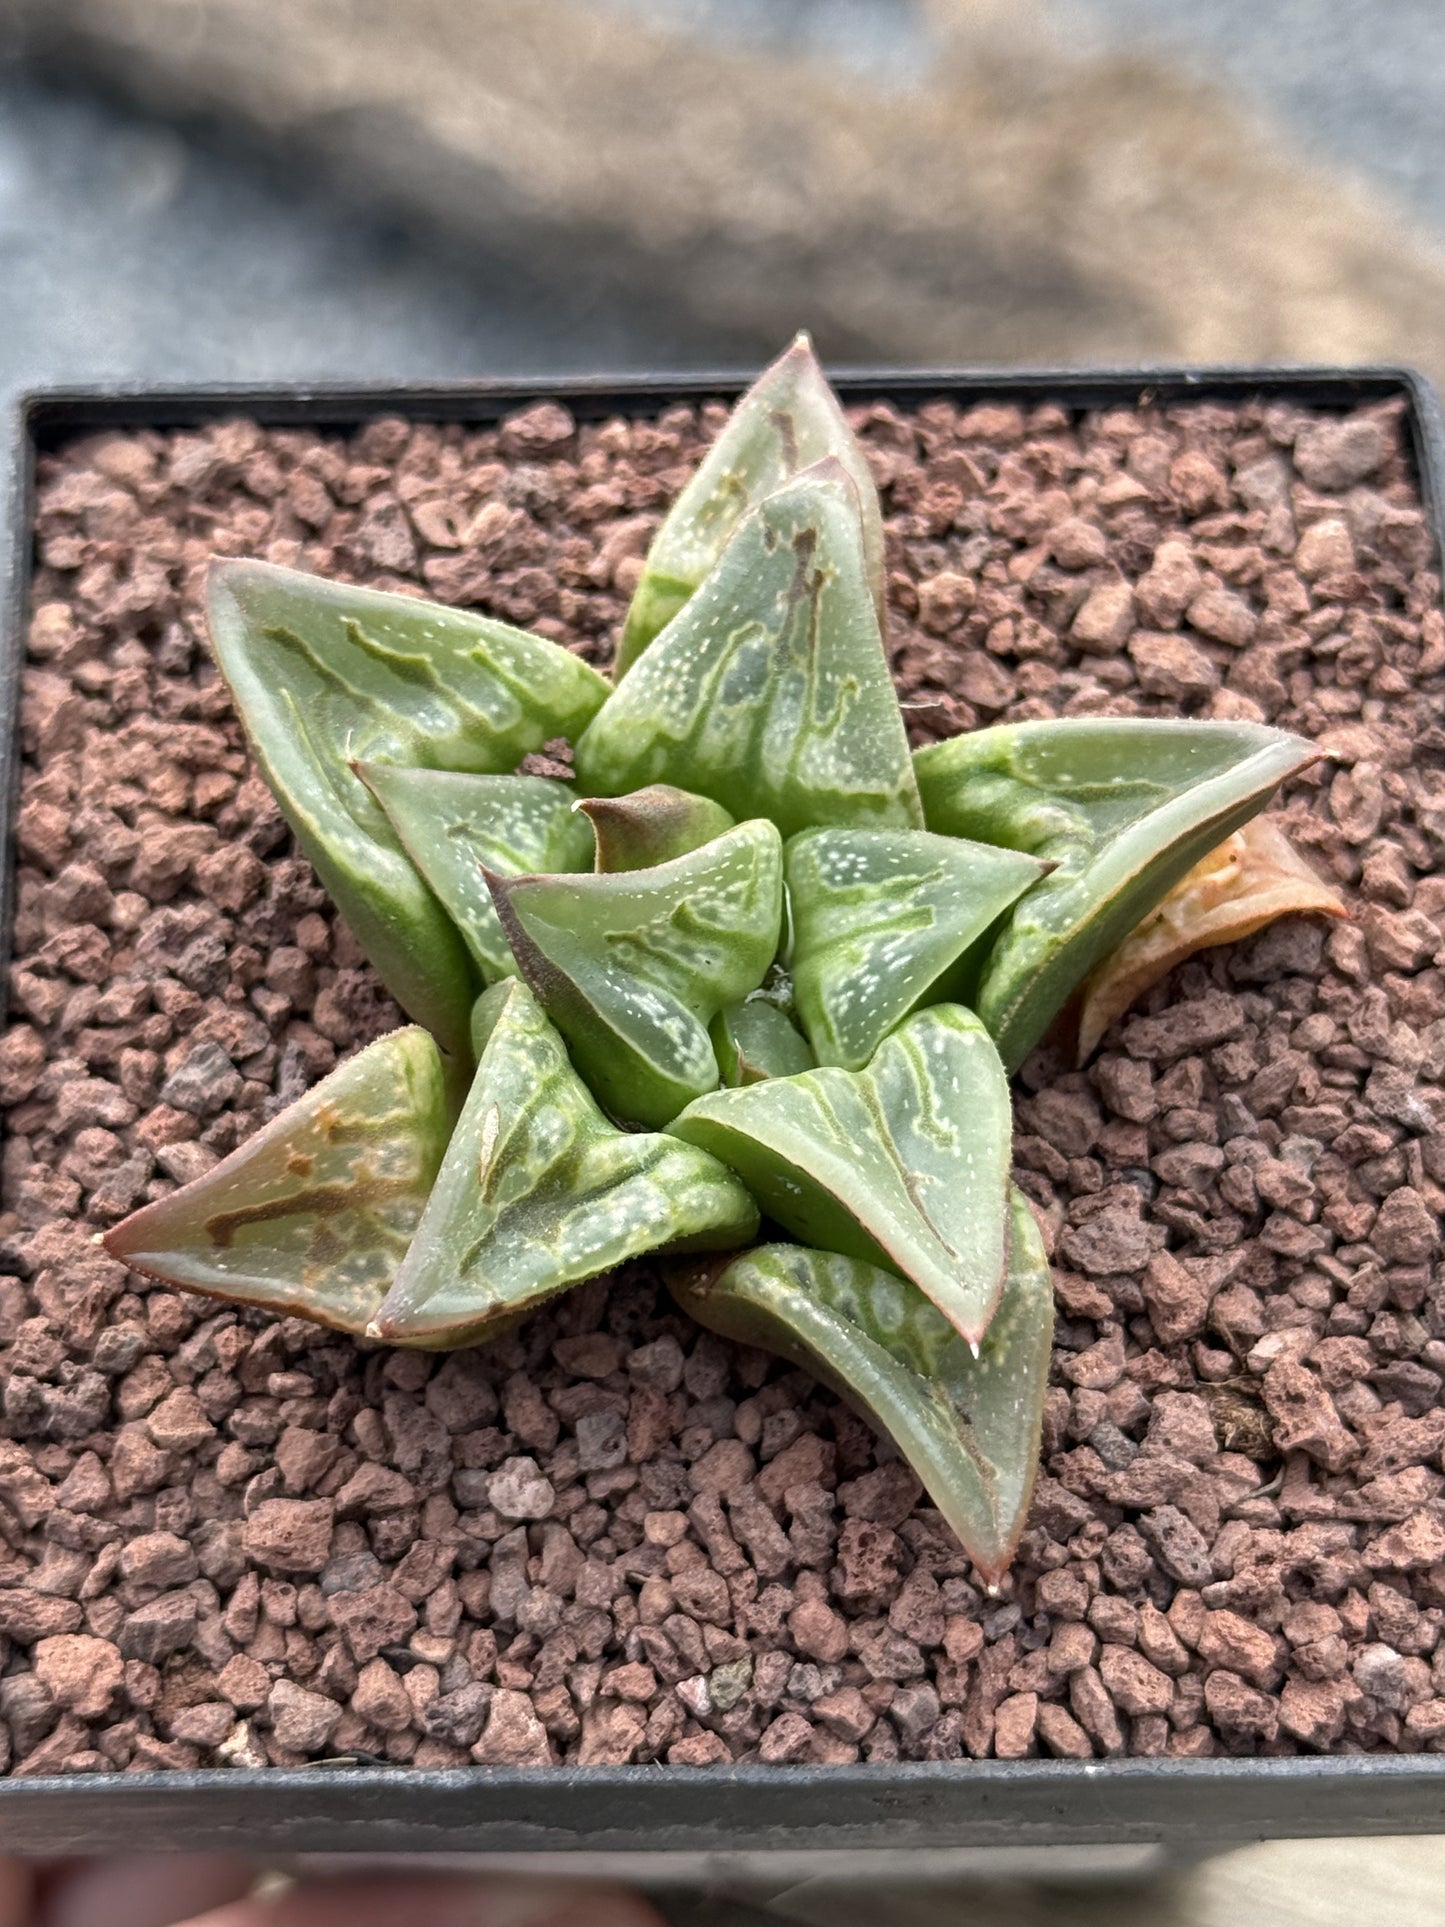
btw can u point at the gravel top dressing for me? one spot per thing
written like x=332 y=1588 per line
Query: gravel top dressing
x=609 y=1537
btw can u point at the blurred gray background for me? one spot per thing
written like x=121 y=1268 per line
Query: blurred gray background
x=218 y=189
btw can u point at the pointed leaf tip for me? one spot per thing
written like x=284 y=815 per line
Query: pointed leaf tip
x=325 y=676
x=904 y=1164
x=1122 y=806
x=312 y=1216
x=788 y=419
x=771 y=691
x=967 y=1420
x=538 y=1191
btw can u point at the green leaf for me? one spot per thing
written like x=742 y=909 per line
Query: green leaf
x=313 y=1215
x=1122 y=807
x=755 y=1040
x=454 y=826
x=538 y=1191
x=885 y=920
x=650 y=826
x=969 y=1426
x=904 y=1164
x=787 y=420
x=770 y=693
x=633 y=968
x=325 y=676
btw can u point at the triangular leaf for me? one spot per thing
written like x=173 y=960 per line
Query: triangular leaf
x=650 y=826
x=1246 y=882
x=453 y=826
x=755 y=1040
x=969 y=1426
x=786 y=421
x=904 y=1164
x=1122 y=807
x=884 y=920
x=538 y=1191
x=770 y=692
x=325 y=676
x=633 y=968
x=313 y=1215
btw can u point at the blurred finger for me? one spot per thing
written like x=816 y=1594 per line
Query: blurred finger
x=141 y=1890
x=440 y=1902
x=16 y=1889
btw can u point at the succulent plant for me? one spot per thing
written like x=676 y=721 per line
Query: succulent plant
x=755 y=966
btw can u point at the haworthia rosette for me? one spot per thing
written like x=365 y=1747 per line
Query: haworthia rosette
x=1123 y=807
x=313 y=1215
x=325 y=676
x=884 y=920
x=1247 y=881
x=632 y=968
x=455 y=826
x=537 y=1191
x=770 y=692
x=652 y=920
x=650 y=826
x=968 y=1424
x=787 y=420
x=904 y=1164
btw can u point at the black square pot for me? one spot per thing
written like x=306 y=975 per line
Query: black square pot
x=677 y=1824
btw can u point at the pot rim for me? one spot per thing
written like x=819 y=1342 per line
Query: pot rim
x=966 y=1805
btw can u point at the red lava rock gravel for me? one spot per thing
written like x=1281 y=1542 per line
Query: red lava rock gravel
x=610 y=1537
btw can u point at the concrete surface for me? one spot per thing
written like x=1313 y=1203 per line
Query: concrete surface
x=1359 y=82
x=1288 y=1883
x=131 y=250
x=886 y=41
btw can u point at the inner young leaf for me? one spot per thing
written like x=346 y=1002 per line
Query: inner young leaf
x=786 y=421
x=968 y=1425
x=904 y=1164
x=325 y=676
x=770 y=692
x=884 y=920
x=632 y=968
x=1122 y=807
x=538 y=1191
x=754 y=1039
x=650 y=826
x=454 y=827
x=313 y=1215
